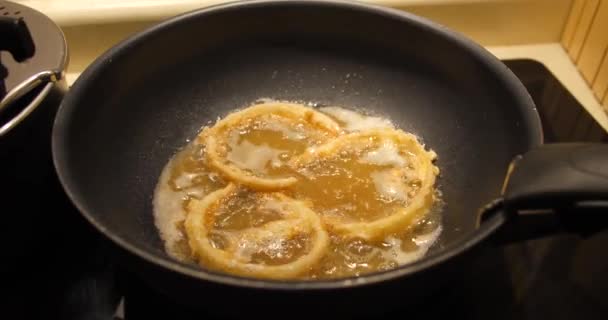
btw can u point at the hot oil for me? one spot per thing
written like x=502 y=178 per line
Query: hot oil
x=342 y=186
x=262 y=152
x=242 y=224
x=345 y=187
x=281 y=252
x=186 y=176
x=348 y=257
x=351 y=120
x=244 y=210
x=189 y=172
x=263 y=146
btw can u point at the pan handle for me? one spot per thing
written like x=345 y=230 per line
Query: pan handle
x=554 y=188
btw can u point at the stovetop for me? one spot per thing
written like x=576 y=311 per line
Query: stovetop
x=561 y=277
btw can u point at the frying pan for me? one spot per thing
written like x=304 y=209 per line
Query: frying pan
x=141 y=101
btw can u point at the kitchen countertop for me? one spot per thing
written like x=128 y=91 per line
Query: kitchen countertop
x=556 y=59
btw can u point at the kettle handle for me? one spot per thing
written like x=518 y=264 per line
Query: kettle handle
x=16 y=38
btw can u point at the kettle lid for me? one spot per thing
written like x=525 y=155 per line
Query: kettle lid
x=33 y=52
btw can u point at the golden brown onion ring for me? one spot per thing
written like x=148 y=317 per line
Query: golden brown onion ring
x=299 y=219
x=215 y=140
x=401 y=218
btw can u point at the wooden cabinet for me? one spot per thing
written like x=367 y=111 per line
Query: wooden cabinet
x=585 y=38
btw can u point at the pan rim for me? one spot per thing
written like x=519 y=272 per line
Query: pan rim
x=447 y=253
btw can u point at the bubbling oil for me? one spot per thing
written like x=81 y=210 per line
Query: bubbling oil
x=356 y=184
x=242 y=221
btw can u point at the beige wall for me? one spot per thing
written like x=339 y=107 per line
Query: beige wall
x=500 y=23
x=87 y=42
x=489 y=22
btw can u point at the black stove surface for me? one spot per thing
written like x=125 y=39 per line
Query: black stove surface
x=561 y=277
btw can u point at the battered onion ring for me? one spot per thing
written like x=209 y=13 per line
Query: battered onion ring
x=401 y=218
x=216 y=156
x=302 y=219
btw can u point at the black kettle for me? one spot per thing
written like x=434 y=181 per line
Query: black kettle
x=33 y=60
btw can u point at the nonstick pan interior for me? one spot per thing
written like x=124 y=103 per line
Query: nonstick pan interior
x=139 y=103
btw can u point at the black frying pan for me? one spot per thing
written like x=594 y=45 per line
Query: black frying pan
x=132 y=109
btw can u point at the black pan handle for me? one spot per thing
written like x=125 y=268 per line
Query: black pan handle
x=555 y=188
